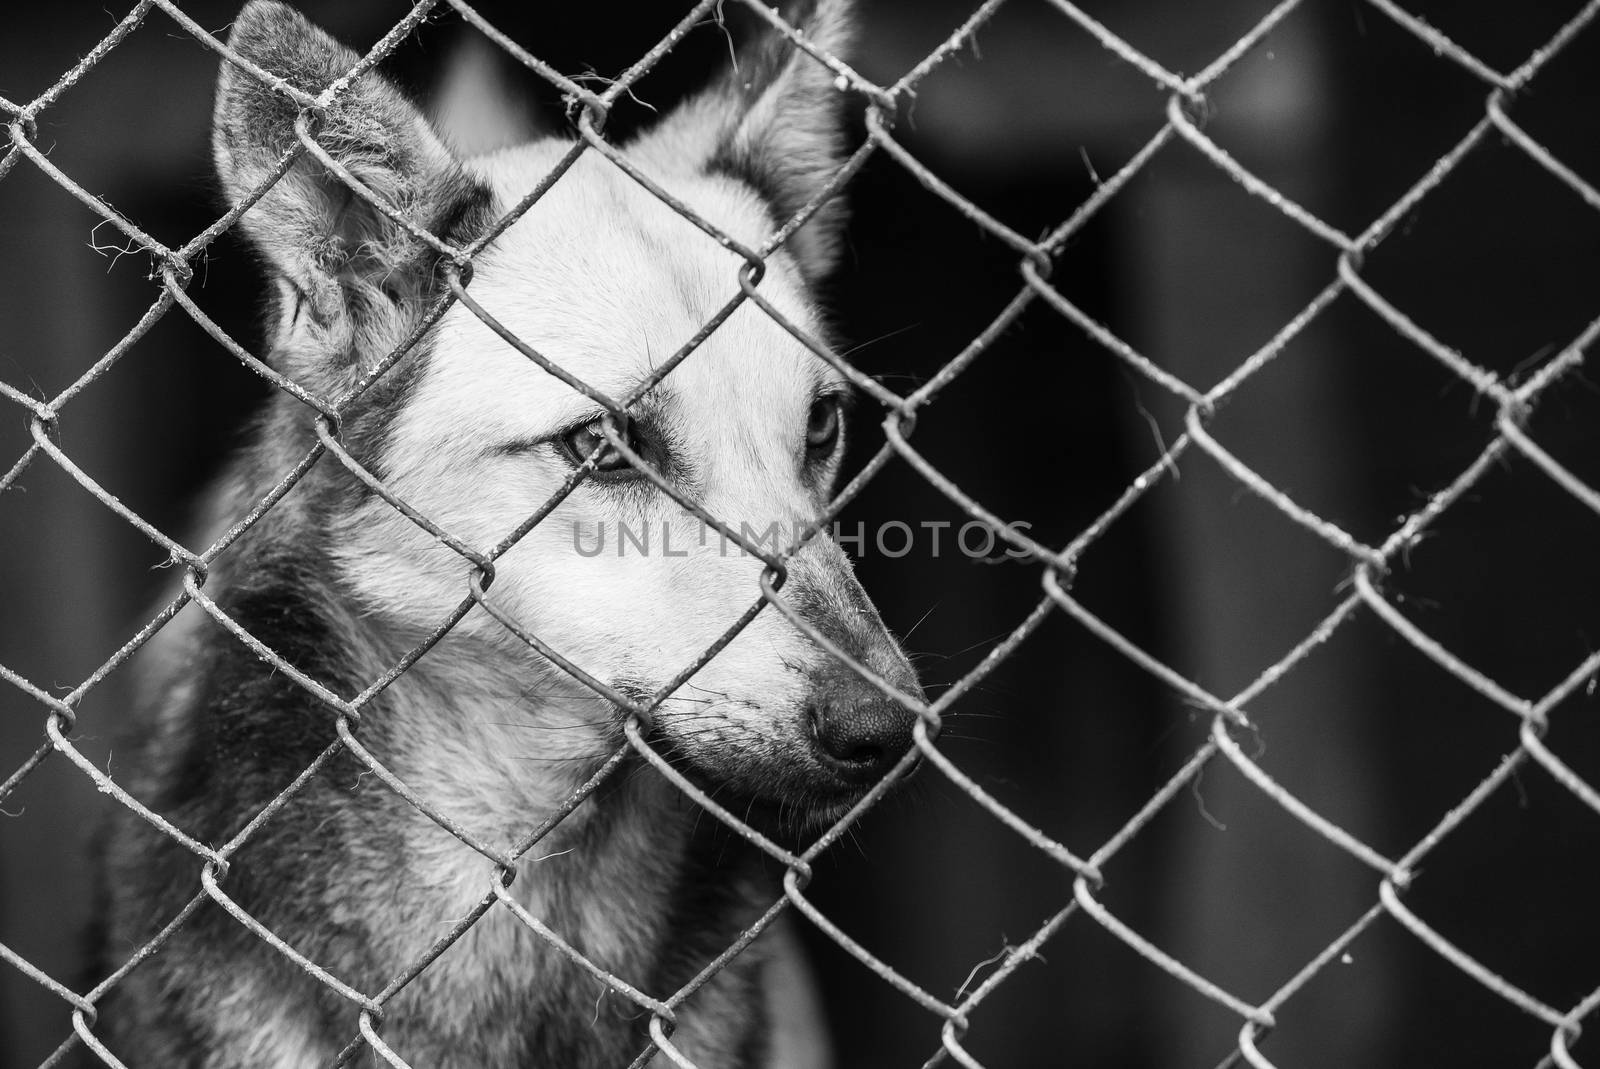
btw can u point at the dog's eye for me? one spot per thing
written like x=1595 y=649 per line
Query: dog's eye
x=822 y=427
x=586 y=439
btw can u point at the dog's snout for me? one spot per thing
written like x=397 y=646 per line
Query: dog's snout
x=860 y=736
x=858 y=732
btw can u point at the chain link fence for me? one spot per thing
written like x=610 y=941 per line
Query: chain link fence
x=1236 y=737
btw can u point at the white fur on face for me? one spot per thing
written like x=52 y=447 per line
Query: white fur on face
x=608 y=282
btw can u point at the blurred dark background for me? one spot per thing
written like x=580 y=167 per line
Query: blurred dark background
x=1339 y=109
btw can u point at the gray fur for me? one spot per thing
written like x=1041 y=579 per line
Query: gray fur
x=360 y=278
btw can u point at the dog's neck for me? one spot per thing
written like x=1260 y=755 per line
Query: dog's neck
x=526 y=735
x=628 y=879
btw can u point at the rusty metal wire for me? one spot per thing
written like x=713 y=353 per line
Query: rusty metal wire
x=1055 y=566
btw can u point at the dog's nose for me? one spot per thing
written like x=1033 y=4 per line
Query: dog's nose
x=859 y=732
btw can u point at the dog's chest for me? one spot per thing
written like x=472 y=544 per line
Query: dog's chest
x=510 y=992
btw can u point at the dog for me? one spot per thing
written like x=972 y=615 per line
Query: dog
x=607 y=281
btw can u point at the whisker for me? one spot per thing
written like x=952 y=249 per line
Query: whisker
x=885 y=336
x=921 y=620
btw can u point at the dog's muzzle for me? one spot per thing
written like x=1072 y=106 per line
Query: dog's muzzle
x=856 y=731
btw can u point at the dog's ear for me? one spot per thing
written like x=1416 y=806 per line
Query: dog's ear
x=775 y=122
x=355 y=282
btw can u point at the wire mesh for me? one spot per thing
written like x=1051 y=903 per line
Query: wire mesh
x=1234 y=736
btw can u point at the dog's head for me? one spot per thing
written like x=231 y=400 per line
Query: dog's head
x=607 y=281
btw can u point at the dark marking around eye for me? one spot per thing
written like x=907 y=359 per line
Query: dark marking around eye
x=825 y=425
x=648 y=437
x=580 y=442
